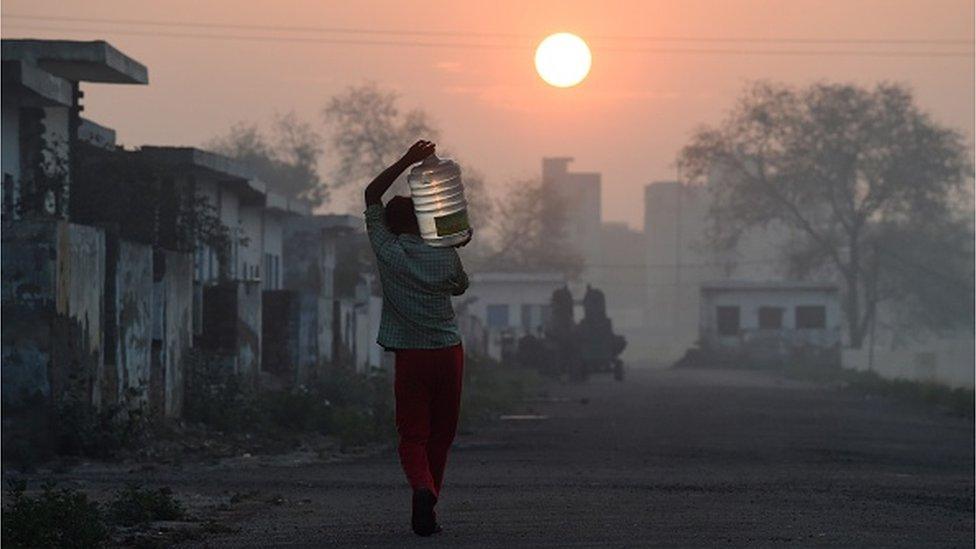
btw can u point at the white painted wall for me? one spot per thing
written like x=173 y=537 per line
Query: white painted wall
x=513 y=290
x=205 y=268
x=250 y=261
x=949 y=359
x=750 y=301
x=272 y=253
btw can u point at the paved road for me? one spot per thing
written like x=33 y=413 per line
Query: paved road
x=681 y=458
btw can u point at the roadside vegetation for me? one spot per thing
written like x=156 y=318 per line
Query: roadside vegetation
x=65 y=517
x=355 y=409
x=350 y=410
x=955 y=401
x=958 y=402
x=224 y=416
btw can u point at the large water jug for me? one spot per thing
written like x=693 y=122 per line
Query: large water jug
x=438 y=201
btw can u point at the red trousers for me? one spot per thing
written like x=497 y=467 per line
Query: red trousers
x=428 y=397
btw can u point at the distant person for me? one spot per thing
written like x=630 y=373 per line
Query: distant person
x=418 y=325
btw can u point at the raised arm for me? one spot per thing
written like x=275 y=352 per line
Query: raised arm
x=417 y=153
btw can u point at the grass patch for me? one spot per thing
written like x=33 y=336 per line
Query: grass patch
x=491 y=389
x=958 y=402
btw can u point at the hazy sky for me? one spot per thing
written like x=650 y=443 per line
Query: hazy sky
x=627 y=120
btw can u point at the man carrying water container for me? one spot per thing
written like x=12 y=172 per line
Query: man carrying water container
x=417 y=324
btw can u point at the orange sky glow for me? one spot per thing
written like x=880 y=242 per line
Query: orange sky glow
x=627 y=119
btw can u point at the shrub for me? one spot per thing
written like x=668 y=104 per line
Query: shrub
x=72 y=426
x=134 y=505
x=83 y=430
x=357 y=409
x=55 y=518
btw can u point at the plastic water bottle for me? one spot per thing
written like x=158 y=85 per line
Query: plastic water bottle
x=438 y=201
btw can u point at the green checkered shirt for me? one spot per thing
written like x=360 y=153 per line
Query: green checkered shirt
x=418 y=282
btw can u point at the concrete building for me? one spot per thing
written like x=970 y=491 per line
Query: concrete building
x=509 y=304
x=770 y=321
x=333 y=292
x=582 y=192
x=41 y=113
x=78 y=302
x=227 y=300
x=679 y=260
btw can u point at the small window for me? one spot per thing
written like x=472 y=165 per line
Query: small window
x=770 y=318
x=811 y=317
x=498 y=316
x=728 y=320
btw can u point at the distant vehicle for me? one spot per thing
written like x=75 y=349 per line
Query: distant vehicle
x=566 y=348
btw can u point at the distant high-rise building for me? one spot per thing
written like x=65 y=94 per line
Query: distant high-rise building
x=582 y=192
x=679 y=259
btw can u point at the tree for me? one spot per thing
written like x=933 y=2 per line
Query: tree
x=286 y=160
x=369 y=132
x=530 y=233
x=850 y=173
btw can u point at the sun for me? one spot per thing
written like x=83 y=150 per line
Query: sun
x=563 y=59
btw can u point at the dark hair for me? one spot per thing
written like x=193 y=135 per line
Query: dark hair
x=400 y=217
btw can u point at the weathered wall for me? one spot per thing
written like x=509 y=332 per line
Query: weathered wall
x=249 y=329
x=29 y=270
x=232 y=325
x=133 y=311
x=315 y=334
x=297 y=335
x=53 y=293
x=178 y=335
x=279 y=333
x=250 y=253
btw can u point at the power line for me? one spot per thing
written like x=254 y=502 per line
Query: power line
x=257 y=38
x=399 y=32
x=496 y=46
x=268 y=28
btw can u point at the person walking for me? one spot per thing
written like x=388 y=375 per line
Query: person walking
x=417 y=324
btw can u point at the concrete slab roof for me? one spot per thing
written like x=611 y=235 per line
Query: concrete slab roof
x=276 y=202
x=767 y=285
x=28 y=85
x=78 y=61
x=226 y=170
x=283 y=205
x=192 y=157
x=299 y=207
x=96 y=134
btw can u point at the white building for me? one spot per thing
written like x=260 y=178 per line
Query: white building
x=769 y=320
x=227 y=187
x=509 y=304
